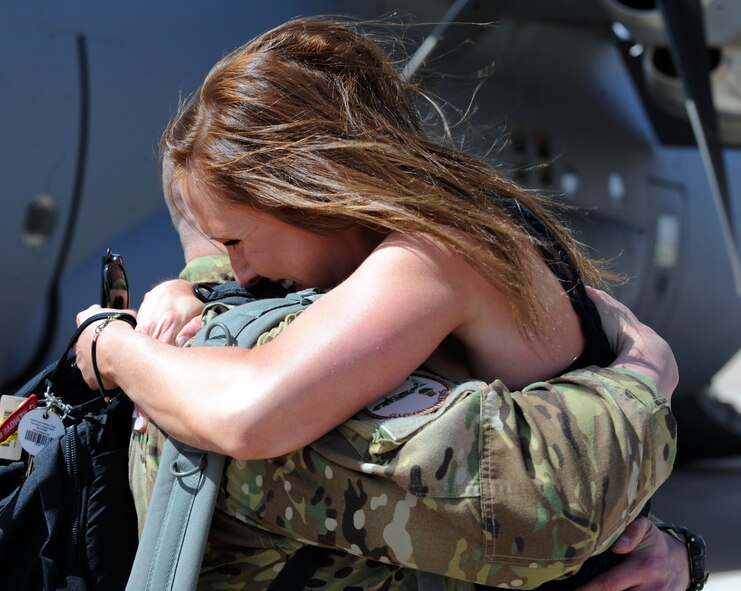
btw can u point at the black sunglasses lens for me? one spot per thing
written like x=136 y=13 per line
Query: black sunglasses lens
x=115 y=283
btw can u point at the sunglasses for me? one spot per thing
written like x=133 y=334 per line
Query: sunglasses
x=115 y=285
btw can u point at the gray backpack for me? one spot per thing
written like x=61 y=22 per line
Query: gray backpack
x=174 y=537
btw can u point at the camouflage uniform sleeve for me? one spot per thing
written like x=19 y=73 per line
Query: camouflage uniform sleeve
x=208 y=269
x=490 y=486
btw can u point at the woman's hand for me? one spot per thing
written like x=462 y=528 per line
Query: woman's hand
x=638 y=347
x=84 y=346
x=167 y=309
x=655 y=561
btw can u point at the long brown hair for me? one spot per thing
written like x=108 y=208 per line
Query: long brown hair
x=312 y=122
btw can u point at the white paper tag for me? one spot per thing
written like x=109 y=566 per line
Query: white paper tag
x=38 y=428
x=10 y=449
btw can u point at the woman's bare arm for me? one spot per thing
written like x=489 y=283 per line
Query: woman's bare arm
x=356 y=343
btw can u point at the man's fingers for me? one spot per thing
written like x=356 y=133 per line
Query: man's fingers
x=632 y=536
x=188 y=331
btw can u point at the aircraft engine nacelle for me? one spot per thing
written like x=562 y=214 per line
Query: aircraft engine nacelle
x=665 y=86
x=643 y=19
x=644 y=25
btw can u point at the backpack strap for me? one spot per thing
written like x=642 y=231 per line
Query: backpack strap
x=174 y=537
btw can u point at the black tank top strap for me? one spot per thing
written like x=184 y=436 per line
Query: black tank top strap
x=597 y=350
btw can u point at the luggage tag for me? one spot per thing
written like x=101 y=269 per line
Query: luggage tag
x=38 y=428
x=12 y=410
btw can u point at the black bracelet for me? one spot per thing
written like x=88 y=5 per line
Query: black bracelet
x=107 y=395
x=695 y=545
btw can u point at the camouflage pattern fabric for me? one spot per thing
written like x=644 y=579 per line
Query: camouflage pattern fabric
x=471 y=481
x=208 y=269
x=145 y=450
x=505 y=489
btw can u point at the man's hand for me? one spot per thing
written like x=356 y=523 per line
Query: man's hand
x=637 y=346
x=167 y=309
x=655 y=561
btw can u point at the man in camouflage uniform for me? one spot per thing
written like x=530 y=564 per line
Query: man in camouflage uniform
x=469 y=481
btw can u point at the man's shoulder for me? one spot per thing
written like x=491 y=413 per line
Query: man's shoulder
x=208 y=269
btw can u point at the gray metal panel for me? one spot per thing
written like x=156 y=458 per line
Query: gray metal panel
x=39 y=123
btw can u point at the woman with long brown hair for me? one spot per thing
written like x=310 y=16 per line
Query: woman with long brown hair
x=303 y=155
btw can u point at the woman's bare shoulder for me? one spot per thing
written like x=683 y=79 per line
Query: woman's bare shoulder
x=490 y=331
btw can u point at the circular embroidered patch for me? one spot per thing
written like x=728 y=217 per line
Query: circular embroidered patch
x=418 y=395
